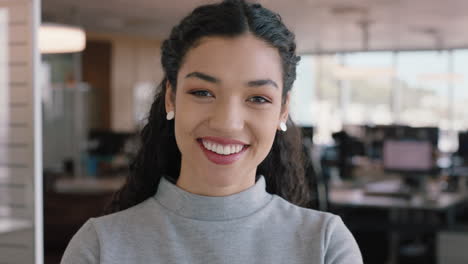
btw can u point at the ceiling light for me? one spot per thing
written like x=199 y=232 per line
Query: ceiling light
x=57 y=38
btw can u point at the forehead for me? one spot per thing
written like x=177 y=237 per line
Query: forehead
x=238 y=58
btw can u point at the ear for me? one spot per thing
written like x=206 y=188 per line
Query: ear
x=169 y=98
x=285 y=108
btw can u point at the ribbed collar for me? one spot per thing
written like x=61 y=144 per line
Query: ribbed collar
x=209 y=208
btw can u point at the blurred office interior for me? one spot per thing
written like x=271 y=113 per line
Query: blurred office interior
x=380 y=96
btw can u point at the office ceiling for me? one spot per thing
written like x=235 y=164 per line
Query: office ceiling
x=320 y=25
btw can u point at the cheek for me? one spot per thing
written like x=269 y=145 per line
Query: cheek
x=189 y=117
x=265 y=134
x=184 y=133
x=185 y=122
x=265 y=130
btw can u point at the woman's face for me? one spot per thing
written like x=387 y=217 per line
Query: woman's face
x=227 y=110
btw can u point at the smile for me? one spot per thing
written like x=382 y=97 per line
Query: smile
x=222 y=151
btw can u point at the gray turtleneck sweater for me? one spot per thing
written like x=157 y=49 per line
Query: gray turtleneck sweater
x=176 y=226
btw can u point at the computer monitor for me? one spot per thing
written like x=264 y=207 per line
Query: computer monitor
x=463 y=144
x=377 y=135
x=424 y=133
x=408 y=156
x=307 y=132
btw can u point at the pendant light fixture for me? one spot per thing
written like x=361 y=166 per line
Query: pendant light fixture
x=59 y=38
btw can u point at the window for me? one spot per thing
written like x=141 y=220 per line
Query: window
x=422 y=87
x=460 y=93
x=379 y=88
x=367 y=84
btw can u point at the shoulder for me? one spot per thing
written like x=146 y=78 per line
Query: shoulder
x=89 y=242
x=337 y=242
x=84 y=247
x=116 y=224
x=128 y=217
x=339 y=245
x=299 y=214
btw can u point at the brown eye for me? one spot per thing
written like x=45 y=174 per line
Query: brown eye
x=259 y=100
x=201 y=93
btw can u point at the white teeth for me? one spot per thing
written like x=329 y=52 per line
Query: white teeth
x=206 y=144
x=227 y=150
x=219 y=149
x=238 y=148
x=222 y=149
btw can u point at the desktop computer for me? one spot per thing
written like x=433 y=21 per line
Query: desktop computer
x=459 y=165
x=408 y=156
x=412 y=159
x=376 y=135
x=463 y=145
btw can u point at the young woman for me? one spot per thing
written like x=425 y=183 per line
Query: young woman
x=218 y=178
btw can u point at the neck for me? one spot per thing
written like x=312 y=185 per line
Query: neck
x=210 y=183
x=203 y=208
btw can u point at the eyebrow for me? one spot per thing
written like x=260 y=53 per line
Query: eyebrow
x=262 y=82
x=203 y=76
x=208 y=78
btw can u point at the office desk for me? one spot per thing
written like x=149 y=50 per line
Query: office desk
x=89 y=185
x=356 y=198
x=69 y=204
x=446 y=202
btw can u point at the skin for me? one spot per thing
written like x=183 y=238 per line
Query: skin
x=228 y=88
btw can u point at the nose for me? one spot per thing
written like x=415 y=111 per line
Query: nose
x=227 y=117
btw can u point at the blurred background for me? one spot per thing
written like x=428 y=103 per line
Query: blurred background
x=380 y=97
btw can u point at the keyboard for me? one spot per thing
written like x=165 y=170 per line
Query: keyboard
x=389 y=188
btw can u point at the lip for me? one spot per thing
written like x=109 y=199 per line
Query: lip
x=222 y=159
x=224 y=141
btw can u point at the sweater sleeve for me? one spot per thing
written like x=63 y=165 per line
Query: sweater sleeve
x=83 y=247
x=340 y=245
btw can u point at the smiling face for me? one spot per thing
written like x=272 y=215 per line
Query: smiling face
x=228 y=106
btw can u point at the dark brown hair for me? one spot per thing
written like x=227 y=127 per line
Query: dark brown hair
x=159 y=155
